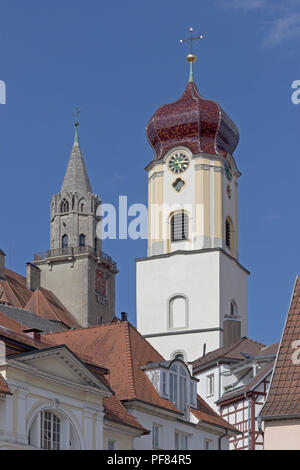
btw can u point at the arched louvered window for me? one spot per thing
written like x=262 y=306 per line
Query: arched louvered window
x=82 y=240
x=179 y=226
x=65 y=241
x=228 y=234
x=64 y=207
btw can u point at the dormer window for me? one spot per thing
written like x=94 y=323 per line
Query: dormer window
x=173 y=381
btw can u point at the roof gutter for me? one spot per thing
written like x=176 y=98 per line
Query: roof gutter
x=278 y=417
x=220 y=439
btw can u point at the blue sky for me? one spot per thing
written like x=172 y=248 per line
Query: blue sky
x=118 y=61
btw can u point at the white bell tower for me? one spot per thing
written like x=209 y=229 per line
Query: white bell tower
x=192 y=292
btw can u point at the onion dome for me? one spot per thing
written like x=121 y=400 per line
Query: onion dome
x=193 y=122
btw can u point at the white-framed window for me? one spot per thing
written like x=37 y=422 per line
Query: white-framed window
x=207 y=444
x=181 y=441
x=164 y=383
x=210 y=385
x=178 y=386
x=50 y=431
x=112 y=444
x=193 y=393
x=156 y=436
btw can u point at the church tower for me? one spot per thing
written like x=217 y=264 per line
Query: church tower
x=192 y=292
x=75 y=268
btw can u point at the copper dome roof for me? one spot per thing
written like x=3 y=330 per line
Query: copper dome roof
x=194 y=122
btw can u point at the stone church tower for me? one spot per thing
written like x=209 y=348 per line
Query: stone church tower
x=75 y=268
x=192 y=292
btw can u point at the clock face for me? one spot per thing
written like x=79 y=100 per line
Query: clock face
x=178 y=162
x=228 y=171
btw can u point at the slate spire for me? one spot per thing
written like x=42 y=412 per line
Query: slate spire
x=76 y=178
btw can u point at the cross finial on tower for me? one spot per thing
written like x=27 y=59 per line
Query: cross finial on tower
x=191 y=57
x=76 y=124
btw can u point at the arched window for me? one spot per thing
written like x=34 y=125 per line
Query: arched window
x=82 y=240
x=233 y=309
x=179 y=226
x=65 y=241
x=178 y=355
x=178 y=312
x=50 y=431
x=64 y=207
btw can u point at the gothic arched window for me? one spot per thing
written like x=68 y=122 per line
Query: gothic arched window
x=82 y=240
x=179 y=226
x=64 y=207
x=65 y=241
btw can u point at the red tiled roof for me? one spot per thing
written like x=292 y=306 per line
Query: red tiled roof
x=45 y=304
x=123 y=350
x=3 y=386
x=119 y=347
x=205 y=413
x=234 y=351
x=284 y=393
x=116 y=411
x=42 y=302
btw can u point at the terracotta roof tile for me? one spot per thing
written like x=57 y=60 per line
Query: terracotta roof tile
x=123 y=350
x=11 y=324
x=13 y=291
x=284 y=393
x=45 y=304
x=116 y=411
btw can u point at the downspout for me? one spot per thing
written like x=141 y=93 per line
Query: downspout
x=249 y=422
x=220 y=439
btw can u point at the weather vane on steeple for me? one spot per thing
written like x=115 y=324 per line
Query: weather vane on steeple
x=191 y=57
x=76 y=124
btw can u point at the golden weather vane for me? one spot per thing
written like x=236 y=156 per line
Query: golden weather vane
x=191 y=57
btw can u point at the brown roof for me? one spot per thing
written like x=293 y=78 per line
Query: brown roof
x=3 y=386
x=205 y=413
x=42 y=302
x=284 y=393
x=234 y=351
x=119 y=347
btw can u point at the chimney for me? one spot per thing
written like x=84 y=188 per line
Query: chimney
x=33 y=333
x=2 y=265
x=33 y=277
x=231 y=331
x=123 y=316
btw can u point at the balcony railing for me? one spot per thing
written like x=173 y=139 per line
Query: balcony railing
x=68 y=251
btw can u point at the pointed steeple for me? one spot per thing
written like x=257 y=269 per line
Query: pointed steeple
x=76 y=178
